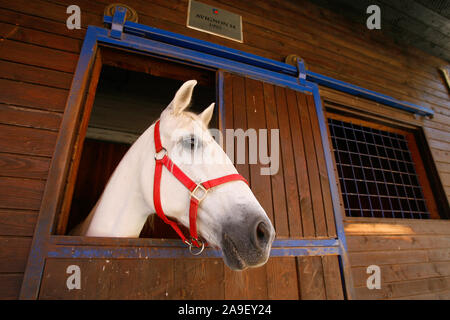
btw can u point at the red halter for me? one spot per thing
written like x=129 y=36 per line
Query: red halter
x=161 y=159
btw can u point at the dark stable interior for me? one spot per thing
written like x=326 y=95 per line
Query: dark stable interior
x=126 y=104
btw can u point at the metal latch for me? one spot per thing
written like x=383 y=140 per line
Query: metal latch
x=118 y=21
x=301 y=70
x=297 y=61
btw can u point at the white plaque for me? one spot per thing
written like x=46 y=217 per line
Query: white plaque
x=214 y=20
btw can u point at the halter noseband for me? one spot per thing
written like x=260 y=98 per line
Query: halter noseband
x=198 y=192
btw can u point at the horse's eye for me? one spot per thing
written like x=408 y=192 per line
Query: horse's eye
x=190 y=142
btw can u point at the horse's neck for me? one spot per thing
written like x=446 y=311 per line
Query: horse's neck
x=122 y=210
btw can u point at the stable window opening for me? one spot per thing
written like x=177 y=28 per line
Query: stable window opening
x=380 y=169
x=131 y=93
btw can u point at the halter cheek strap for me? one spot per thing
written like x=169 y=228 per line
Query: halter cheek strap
x=198 y=191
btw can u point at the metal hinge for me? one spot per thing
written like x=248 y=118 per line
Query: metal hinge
x=118 y=21
x=301 y=71
x=297 y=61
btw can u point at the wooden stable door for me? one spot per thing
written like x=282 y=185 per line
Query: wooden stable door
x=297 y=200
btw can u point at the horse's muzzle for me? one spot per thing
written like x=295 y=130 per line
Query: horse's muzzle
x=248 y=243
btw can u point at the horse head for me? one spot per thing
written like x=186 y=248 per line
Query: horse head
x=229 y=217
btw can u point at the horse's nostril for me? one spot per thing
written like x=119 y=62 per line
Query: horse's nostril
x=262 y=234
x=261 y=231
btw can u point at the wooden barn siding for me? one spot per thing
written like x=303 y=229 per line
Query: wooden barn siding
x=195 y=279
x=38 y=56
x=413 y=255
x=297 y=198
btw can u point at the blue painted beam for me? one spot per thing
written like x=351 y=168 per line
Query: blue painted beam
x=131 y=248
x=175 y=243
x=365 y=93
x=267 y=64
x=196 y=58
x=96 y=252
x=204 y=46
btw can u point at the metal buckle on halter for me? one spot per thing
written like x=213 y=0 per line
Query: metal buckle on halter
x=161 y=154
x=203 y=195
x=190 y=244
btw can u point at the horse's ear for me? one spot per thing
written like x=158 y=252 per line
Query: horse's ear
x=183 y=97
x=206 y=114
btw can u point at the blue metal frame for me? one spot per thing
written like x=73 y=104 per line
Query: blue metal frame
x=151 y=41
x=267 y=64
x=75 y=248
x=186 y=55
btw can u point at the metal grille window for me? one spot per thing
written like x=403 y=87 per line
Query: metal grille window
x=377 y=174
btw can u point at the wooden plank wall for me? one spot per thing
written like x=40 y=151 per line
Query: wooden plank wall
x=38 y=56
x=297 y=197
x=413 y=255
x=287 y=278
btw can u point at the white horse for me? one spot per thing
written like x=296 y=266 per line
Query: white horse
x=229 y=218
